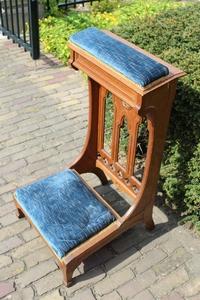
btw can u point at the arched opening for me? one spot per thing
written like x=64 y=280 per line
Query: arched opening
x=141 y=149
x=123 y=143
x=108 y=122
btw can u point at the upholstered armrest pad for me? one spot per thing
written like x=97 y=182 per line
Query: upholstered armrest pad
x=64 y=210
x=136 y=66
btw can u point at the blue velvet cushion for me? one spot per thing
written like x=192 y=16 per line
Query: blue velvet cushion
x=134 y=65
x=64 y=210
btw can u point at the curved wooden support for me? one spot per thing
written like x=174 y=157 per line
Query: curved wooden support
x=153 y=109
x=101 y=175
x=86 y=162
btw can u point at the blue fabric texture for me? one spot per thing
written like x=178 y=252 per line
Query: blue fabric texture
x=64 y=210
x=134 y=65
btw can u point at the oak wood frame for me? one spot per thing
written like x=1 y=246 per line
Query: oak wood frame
x=153 y=103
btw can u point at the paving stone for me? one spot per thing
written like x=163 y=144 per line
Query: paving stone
x=86 y=294
x=13 y=166
x=172 y=262
x=7 y=208
x=36 y=141
x=96 y=259
x=27 y=294
x=149 y=243
x=26 y=152
x=9 y=219
x=113 y=296
x=52 y=122
x=124 y=242
x=144 y=295
x=10 y=114
x=10 y=244
x=170 y=282
x=148 y=260
x=172 y=296
x=34 y=119
x=8 y=198
x=13 y=229
x=4 y=162
x=29 y=169
x=159 y=216
x=30 y=234
x=49 y=282
x=193 y=265
x=5 y=137
x=112 y=282
x=37 y=257
x=191 y=288
x=135 y=286
x=171 y=245
x=14 y=142
x=196 y=297
x=28 y=248
x=22 y=180
x=40 y=132
x=122 y=260
x=41 y=155
x=84 y=280
x=190 y=243
x=54 y=296
x=11 y=270
x=7 y=188
x=26 y=129
x=5 y=260
x=35 y=273
x=2 y=202
x=8 y=151
x=6 y=288
x=24 y=294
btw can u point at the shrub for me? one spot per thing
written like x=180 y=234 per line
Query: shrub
x=193 y=190
x=175 y=37
x=56 y=29
x=106 y=6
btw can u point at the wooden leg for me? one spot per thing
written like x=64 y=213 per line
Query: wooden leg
x=67 y=274
x=19 y=213
x=101 y=175
x=148 y=219
x=149 y=224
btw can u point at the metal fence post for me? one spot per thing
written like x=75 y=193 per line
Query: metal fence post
x=34 y=29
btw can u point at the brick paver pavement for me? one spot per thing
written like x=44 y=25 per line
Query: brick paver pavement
x=43 y=120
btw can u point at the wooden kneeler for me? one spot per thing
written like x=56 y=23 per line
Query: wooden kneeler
x=71 y=217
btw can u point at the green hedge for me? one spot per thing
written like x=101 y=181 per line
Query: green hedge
x=175 y=37
x=56 y=29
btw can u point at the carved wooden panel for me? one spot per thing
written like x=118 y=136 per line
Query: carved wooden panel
x=117 y=140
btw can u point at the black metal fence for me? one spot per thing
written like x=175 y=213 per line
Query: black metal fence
x=72 y=3
x=19 y=22
x=69 y=3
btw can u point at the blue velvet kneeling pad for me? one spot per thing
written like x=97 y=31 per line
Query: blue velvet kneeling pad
x=136 y=66
x=64 y=210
